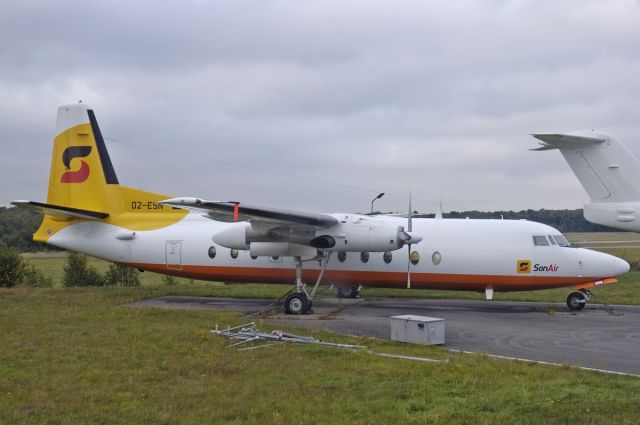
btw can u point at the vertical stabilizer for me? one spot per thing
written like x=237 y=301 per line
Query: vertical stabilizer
x=609 y=173
x=81 y=169
x=605 y=167
x=83 y=184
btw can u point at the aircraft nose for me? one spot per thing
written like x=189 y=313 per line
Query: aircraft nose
x=603 y=265
x=612 y=266
x=620 y=266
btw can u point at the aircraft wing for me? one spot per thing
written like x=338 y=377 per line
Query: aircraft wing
x=560 y=141
x=229 y=211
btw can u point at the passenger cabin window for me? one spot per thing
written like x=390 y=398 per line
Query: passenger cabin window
x=561 y=240
x=387 y=257
x=540 y=241
x=364 y=257
x=414 y=257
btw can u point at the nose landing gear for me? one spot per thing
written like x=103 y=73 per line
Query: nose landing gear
x=577 y=300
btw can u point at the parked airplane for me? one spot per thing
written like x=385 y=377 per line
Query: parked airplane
x=88 y=211
x=608 y=172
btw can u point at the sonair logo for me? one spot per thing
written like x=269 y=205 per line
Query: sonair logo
x=523 y=266
x=549 y=268
x=83 y=173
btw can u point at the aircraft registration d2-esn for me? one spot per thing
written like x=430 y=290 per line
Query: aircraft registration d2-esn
x=88 y=211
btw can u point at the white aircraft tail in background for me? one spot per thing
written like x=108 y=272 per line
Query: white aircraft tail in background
x=608 y=171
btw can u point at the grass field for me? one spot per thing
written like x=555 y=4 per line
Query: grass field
x=603 y=236
x=74 y=356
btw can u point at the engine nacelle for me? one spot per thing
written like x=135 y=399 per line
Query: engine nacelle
x=234 y=236
x=362 y=237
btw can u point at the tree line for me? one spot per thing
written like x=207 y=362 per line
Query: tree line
x=17 y=226
x=563 y=220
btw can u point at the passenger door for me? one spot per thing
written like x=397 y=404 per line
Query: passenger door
x=173 y=255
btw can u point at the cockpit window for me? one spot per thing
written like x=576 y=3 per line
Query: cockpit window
x=561 y=240
x=540 y=241
x=553 y=242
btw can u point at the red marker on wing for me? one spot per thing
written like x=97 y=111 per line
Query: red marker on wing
x=236 y=207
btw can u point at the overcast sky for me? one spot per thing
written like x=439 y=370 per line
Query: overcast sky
x=321 y=105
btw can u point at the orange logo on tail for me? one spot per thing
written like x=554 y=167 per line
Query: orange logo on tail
x=83 y=173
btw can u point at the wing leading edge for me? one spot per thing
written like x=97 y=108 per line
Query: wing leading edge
x=229 y=211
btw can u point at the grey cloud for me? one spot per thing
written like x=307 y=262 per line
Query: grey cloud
x=438 y=97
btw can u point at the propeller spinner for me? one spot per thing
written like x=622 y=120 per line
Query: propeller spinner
x=409 y=239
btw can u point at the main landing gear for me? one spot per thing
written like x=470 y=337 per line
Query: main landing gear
x=300 y=302
x=577 y=300
x=349 y=291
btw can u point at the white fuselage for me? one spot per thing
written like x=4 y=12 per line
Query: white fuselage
x=454 y=254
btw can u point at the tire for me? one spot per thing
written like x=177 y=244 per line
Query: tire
x=348 y=291
x=576 y=301
x=296 y=303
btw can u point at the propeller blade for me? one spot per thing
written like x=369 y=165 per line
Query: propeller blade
x=409 y=266
x=409 y=220
x=409 y=229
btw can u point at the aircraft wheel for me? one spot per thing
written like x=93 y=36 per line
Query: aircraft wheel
x=296 y=303
x=576 y=301
x=348 y=291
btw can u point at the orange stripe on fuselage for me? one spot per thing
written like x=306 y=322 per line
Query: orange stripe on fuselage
x=466 y=282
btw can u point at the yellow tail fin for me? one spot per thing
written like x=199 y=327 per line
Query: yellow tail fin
x=82 y=177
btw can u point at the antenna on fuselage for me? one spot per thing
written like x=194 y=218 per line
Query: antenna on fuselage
x=439 y=211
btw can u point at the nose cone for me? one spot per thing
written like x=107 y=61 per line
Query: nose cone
x=599 y=264
x=620 y=266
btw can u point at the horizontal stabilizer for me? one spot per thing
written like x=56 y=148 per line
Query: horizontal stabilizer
x=60 y=212
x=564 y=141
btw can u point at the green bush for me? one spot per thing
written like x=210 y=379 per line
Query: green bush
x=35 y=278
x=77 y=272
x=122 y=275
x=12 y=268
